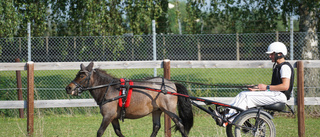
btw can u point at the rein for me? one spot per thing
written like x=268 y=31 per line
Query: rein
x=140 y=80
x=216 y=85
x=162 y=90
x=196 y=83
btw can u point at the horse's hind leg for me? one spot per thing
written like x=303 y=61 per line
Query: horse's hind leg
x=178 y=122
x=116 y=127
x=156 y=122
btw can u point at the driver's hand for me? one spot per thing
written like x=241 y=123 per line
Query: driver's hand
x=260 y=87
x=253 y=87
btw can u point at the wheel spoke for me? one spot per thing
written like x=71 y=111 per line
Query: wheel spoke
x=248 y=125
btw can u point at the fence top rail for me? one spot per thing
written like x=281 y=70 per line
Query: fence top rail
x=152 y=64
x=62 y=103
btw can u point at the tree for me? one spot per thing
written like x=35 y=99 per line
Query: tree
x=9 y=19
x=138 y=16
x=309 y=13
x=194 y=18
x=162 y=20
x=177 y=14
x=34 y=12
x=140 y=13
x=253 y=16
x=15 y=15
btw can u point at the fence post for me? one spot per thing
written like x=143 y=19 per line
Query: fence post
x=154 y=33
x=167 y=120
x=301 y=125
x=238 y=46
x=29 y=42
x=20 y=47
x=291 y=38
x=75 y=48
x=47 y=49
x=199 y=49
x=19 y=89
x=30 y=100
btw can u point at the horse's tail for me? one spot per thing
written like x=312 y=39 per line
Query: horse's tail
x=184 y=108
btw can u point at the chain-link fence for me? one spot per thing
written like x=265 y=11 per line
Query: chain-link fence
x=50 y=84
x=136 y=48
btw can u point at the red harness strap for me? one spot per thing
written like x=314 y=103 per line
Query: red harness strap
x=127 y=103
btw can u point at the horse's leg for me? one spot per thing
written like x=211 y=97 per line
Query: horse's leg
x=156 y=122
x=116 y=127
x=104 y=124
x=177 y=121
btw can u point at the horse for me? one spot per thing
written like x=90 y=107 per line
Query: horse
x=104 y=88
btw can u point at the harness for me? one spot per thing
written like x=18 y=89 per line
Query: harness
x=87 y=79
x=126 y=87
x=125 y=91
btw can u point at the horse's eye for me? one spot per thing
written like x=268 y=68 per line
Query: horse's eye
x=82 y=76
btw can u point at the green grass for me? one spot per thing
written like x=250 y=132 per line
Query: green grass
x=87 y=126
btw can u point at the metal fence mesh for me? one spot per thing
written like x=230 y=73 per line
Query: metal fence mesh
x=50 y=84
x=136 y=48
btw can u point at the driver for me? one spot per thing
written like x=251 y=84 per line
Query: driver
x=278 y=91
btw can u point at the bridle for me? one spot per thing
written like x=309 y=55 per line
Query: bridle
x=86 y=80
x=81 y=88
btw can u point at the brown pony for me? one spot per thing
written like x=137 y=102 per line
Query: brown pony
x=105 y=90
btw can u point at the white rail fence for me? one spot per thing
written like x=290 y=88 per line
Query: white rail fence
x=139 y=64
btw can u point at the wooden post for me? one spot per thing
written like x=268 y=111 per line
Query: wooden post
x=301 y=117
x=167 y=120
x=19 y=89
x=30 y=100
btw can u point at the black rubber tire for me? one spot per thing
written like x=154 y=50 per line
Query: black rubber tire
x=266 y=126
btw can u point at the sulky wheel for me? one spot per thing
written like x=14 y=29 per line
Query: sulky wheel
x=246 y=126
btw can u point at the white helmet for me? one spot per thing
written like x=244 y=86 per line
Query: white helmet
x=277 y=47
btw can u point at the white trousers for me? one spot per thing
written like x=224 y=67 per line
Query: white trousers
x=249 y=99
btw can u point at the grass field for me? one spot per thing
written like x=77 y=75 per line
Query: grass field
x=87 y=126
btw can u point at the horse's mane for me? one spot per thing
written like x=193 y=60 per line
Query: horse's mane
x=103 y=75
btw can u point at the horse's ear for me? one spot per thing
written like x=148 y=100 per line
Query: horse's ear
x=82 y=67
x=90 y=66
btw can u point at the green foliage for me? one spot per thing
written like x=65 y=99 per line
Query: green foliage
x=34 y=12
x=246 y=16
x=9 y=19
x=118 y=17
x=301 y=8
x=194 y=16
x=81 y=17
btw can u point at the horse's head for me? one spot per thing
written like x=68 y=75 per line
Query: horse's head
x=81 y=81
